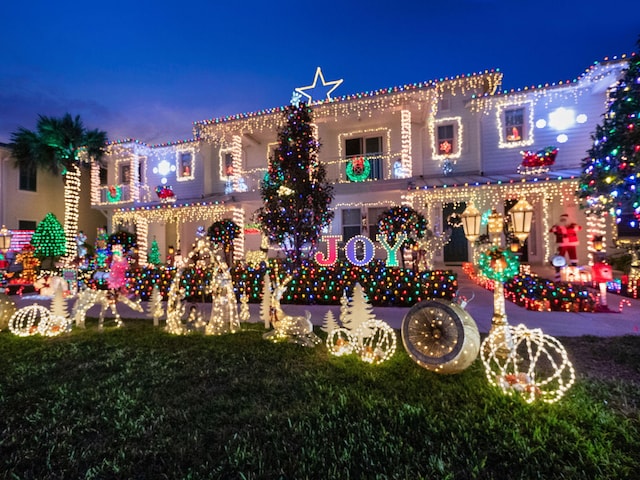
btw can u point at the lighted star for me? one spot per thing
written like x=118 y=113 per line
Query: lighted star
x=332 y=86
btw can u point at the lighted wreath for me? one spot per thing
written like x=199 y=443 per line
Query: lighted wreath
x=114 y=193
x=358 y=169
x=527 y=362
x=498 y=264
x=223 y=232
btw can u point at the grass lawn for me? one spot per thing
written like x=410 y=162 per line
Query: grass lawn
x=138 y=403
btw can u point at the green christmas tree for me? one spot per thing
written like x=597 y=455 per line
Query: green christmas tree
x=295 y=192
x=153 y=257
x=610 y=172
x=48 y=240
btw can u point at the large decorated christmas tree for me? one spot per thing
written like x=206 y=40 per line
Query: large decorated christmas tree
x=610 y=172
x=49 y=239
x=295 y=192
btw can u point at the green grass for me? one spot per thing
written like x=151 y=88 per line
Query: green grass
x=140 y=403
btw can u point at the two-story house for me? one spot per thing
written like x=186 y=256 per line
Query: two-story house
x=437 y=146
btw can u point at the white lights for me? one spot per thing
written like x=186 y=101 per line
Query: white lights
x=562 y=138
x=562 y=118
x=405 y=156
x=541 y=123
x=535 y=366
x=581 y=118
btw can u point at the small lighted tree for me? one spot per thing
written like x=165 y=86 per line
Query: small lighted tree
x=155 y=309
x=49 y=241
x=153 y=257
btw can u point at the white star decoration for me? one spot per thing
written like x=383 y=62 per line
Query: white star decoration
x=333 y=85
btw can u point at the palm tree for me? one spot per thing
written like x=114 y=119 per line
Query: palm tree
x=62 y=146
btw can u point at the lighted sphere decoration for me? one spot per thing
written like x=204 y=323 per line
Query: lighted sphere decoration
x=375 y=341
x=536 y=365
x=340 y=342
x=498 y=264
x=28 y=320
x=440 y=336
x=55 y=325
x=7 y=309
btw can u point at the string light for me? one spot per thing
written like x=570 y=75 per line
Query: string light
x=458 y=129
x=537 y=366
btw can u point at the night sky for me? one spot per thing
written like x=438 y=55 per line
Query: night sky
x=148 y=70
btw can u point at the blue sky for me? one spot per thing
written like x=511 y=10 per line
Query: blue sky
x=148 y=70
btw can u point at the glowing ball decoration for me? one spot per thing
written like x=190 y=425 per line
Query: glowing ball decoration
x=376 y=341
x=340 y=342
x=7 y=309
x=498 y=264
x=536 y=365
x=440 y=336
x=29 y=320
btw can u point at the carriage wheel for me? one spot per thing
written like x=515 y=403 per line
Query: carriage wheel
x=440 y=336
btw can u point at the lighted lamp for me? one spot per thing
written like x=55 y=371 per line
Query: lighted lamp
x=471 y=218
x=521 y=216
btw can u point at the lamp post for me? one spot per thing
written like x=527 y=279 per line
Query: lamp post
x=521 y=216
x=5 y=245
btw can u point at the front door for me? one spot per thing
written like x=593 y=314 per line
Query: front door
x=457 y=250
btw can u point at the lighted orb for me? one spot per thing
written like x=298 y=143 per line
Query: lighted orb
x=440 y=336
x=55 y=325
x=534 y=365
x=7 y=308
x=27 y=320
x=375 y=341
x=340 y=342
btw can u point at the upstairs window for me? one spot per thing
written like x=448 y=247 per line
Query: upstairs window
x=363 y=153
x=515 y=124
x=185 y=166
x=446 y=140
x=103 y=175
x=28 y=178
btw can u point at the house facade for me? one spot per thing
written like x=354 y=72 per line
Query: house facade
x=436 y=146
x=27 y=195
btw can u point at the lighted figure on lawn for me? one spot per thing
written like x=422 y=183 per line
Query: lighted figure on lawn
x=223 y=317
x=107 y=298
x=359 y=331
x=296 y=329
x=81 y=240
x=536 y=367
x=37 y=319
x=566 y=233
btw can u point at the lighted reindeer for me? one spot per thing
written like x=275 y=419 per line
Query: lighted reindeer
x=296 y=329
x=107 y=299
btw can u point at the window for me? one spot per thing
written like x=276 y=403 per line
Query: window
x=125 y=174
x=351 y=223
x=26 y=225
x=358 y=150
x=228 y=165
x=28 y=178
x=103 y=173
x=446 y=140
x=514 y=125
x=185 y=165
x=372 y=220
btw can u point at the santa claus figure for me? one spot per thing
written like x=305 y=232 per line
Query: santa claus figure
x=566 y=233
